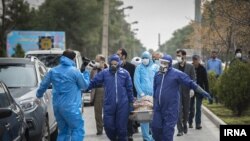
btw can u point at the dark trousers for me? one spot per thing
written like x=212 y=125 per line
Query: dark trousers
x=130 y=128
x=183 y=112
x=98 y=105
x=196 y=102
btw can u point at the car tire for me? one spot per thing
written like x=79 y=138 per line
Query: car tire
x=45 y=130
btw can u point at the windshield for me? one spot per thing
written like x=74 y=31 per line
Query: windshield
x=49 y=60
x=20 y=75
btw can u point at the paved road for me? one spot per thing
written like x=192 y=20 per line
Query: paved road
x=209 y=131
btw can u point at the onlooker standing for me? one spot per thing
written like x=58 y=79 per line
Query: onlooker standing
x=248 y=57
x=67 y=82
x=202 y=81
x=143 y=80
x=167 y=97
x=122 y=53
x=238 y=56
x=156 y=56
x=98 y=93
x=214 y=64
x=118 y=98
x=187 y=68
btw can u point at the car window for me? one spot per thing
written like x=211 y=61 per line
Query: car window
x=49 y=60
x=18 y=75
x=42 y=70
x=4 y=101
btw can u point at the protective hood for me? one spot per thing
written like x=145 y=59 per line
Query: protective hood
x=169 y=58
x=66 y=61
x=115 y=57
x=147 y=55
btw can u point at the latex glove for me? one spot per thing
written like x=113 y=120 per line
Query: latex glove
x=191 y=93
x=90 y=66
x=142 y=94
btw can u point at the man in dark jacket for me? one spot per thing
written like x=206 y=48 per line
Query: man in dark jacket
x=202 y=81
x=122 y=53
x=118 y=98
x=187 y=68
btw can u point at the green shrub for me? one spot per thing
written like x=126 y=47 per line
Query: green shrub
x=212 y=81
x=234 y=87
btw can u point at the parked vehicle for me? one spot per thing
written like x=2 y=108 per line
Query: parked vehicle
x=51 y=58
x=23 y=76
x=12 y=121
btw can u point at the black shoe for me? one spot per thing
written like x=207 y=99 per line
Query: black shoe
x=130 y=138
x=191 y=126
x=185 y=129
x=198 y=127
x=180 y=134
x=99 y=133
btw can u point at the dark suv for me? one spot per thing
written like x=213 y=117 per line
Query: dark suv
x=12 y=121
x=23 y=76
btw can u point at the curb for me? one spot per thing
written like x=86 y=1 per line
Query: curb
x=215 y=119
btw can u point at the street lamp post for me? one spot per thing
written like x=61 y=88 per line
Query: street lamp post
x=122 y=24
x=133 y=33
x=105 y=28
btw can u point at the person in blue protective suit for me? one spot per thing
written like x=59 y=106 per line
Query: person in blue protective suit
x=67 y=82
x=118 y=98
x=167 y=97
x=143 y=80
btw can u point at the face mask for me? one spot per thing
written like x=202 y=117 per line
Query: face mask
x=179 y=59
x=113 y=68
x=145 y=62
x=163 y=68
x=157 y=62
x=238 y=55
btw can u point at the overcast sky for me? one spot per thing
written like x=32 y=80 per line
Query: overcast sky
x=158 y=16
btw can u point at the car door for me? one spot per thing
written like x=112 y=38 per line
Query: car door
x=48 y=97
x=10 y=127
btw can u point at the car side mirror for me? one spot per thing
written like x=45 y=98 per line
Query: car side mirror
x=5 y=112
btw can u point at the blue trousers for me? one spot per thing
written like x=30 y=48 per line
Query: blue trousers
x=115 y=122
x=145 y=132
x=70 y=123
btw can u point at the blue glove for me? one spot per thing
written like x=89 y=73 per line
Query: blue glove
x=203 y=92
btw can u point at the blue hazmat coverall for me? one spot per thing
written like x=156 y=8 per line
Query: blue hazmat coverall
x=166 y=101
x=143 y=81
x=117 y=99
x=67 y=82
